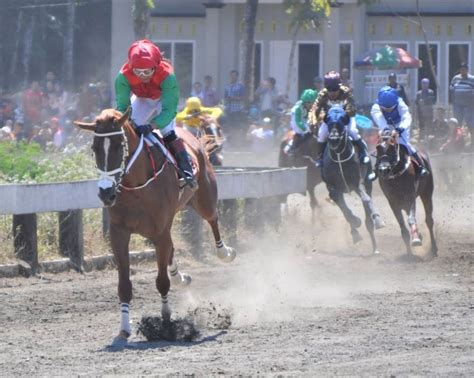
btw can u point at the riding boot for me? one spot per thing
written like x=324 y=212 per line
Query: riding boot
x=364 y=158
x=184 y=163
x=423 y=171
x=319 y=158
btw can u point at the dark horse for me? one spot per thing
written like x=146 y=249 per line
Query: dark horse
x=303 y=157
x=139 y=185
x=210 y=134
x=343 y=173
x=401 y=185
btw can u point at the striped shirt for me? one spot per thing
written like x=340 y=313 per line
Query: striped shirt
x=462 y=89
x=234 y=90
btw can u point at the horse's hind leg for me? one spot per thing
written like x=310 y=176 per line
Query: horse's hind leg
x=224 y=252
x=177 y=278
x=414 y=233
x=372 y=218
x=119 y=240
x=428 y=205
x=164 y=248
x=353 y=221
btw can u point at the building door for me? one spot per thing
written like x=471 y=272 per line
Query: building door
x=308 y=65
x=278 y=67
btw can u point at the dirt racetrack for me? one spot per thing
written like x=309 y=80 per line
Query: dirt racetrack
x=303 y=301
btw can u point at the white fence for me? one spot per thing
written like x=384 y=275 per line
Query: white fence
x=232 y=183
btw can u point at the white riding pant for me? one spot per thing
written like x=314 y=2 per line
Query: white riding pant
x=296 y=128
x=145 y=109
x=323 y=131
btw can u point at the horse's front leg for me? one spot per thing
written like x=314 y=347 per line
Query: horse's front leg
x=353 y=221
x=177 y=278
x=397 y=212
x=164 y=250
x=119 y=240
x=414 y=233
x=372 y=218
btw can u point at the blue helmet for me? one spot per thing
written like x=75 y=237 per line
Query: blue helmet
x=387 y=97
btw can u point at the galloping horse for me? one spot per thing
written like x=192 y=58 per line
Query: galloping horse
x=401 y=185
x=343 y=173
x=210 y=134
x=139 y=186
x=303 y=157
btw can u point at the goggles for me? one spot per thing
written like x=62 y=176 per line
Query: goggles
x=333 y=89
x=143 y=72
x=388 y=110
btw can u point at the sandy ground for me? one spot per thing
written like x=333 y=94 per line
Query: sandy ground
x=303 y=301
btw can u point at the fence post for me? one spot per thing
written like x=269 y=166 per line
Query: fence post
x=228 y=210
x=71 y=238
x=25 y=240
x=191 y=226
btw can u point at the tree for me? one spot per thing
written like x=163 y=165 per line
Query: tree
x=428 y=48
x=141 y=17
x=250 y=17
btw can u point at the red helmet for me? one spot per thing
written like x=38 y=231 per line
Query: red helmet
x=143 y=54
x=332 y=81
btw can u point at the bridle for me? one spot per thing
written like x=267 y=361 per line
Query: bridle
x=335 y=150
x=107 y=178
x=392 y=174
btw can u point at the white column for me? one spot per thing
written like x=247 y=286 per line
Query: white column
x=331 y=42
x=211 y=55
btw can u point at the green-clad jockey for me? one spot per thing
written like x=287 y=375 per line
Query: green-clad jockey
x=299 y=118
x=148 y=84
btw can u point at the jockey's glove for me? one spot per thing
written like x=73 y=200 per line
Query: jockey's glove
x=143 y=129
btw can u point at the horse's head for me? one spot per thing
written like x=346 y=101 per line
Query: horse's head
x=110 y=151
x=336 y=120
x=388 y=153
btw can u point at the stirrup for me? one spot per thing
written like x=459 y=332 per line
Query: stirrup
x=318 y=163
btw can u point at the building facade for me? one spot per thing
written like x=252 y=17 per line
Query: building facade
x=204 y=37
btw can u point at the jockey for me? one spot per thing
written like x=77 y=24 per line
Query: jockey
x=299 y=119
x=148 y=84
x=390 y=112
x=335 y=93
x=193 y=113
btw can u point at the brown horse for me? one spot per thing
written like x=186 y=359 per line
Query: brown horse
x=401 y=185
x=139 y=185
x=304 y=156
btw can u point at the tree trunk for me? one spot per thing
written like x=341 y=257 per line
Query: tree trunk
x=428 y=49
x=141 y=18
x=250 y=17
x=14 y=60
x=28 y=47
x=68 y=49
x=291 y=59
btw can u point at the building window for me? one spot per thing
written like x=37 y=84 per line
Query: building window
x=345 y=58
x=425 y=70
x=308 y=65
x=181 y=54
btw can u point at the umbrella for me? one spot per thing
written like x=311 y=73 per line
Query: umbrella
x=387 y=58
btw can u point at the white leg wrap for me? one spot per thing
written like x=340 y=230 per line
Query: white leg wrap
x=125 y=318
x=225 y=253
x=177 y=278
x=165 y=308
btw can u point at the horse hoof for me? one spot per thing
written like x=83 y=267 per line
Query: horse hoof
x=378 y=222
x=376 y=252
x=416 y=242
x=181 y=279
x=226 y=254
